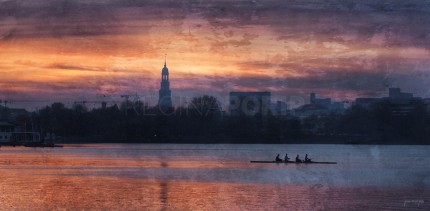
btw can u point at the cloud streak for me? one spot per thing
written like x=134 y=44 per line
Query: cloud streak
x=397 y=22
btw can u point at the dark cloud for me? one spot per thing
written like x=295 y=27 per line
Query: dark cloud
x=72 y=67
x=51 y=18
x=218 y=45
x=397 y=22
x=329 y=17
x=82 y=85
x=400 y=22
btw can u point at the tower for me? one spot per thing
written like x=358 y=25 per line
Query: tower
x=164 y=97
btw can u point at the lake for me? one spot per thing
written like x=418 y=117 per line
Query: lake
x=214 y=177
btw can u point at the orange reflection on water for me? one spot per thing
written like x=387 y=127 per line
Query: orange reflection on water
x=32 y=190
x=60 y=179
x=13 y=157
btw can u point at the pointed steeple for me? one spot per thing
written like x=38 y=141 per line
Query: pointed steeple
x=165 y=70
x=164 y=99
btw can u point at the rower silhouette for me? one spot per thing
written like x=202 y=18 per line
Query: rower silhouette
x=278 y=159
x=298 y=159
x=307 y=159
x=286 y=159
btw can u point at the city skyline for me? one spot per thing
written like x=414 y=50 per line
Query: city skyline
x=74 y=50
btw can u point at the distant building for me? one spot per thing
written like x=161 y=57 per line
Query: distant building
x=366 y=102
x=319 y=107
x=13 y=134
x=164 y=97
x=400 y=102
x=11 y=114
x=326 y=102
x=6 y=130
x=249 y=103
x=337 y=106
x=308 y=110
x=279 y=108
x=396 y=93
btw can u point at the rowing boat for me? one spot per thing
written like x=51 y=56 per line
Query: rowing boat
x=311 y=162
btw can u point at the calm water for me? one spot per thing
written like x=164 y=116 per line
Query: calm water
x=214 y=177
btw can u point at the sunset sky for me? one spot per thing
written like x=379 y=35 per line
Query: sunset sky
x=73 y=50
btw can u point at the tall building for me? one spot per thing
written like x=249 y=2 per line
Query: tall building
x=164 y=95
x=249 y=103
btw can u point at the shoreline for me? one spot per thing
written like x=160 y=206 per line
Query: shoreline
x=205 y=140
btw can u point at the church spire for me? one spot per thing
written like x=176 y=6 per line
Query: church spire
x=164 y=99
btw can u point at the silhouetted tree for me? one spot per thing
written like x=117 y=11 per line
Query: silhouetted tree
x=206 y=107
x=203 y=122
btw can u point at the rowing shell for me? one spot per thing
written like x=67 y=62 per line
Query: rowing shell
x=312 y=162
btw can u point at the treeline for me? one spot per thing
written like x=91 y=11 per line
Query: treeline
x=203 y=122
x=383 y=123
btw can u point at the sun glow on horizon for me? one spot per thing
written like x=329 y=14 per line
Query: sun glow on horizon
x=209 y=52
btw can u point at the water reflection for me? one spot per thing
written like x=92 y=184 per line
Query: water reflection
x=119 y=177
x=163 y=194
x=163 y=187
